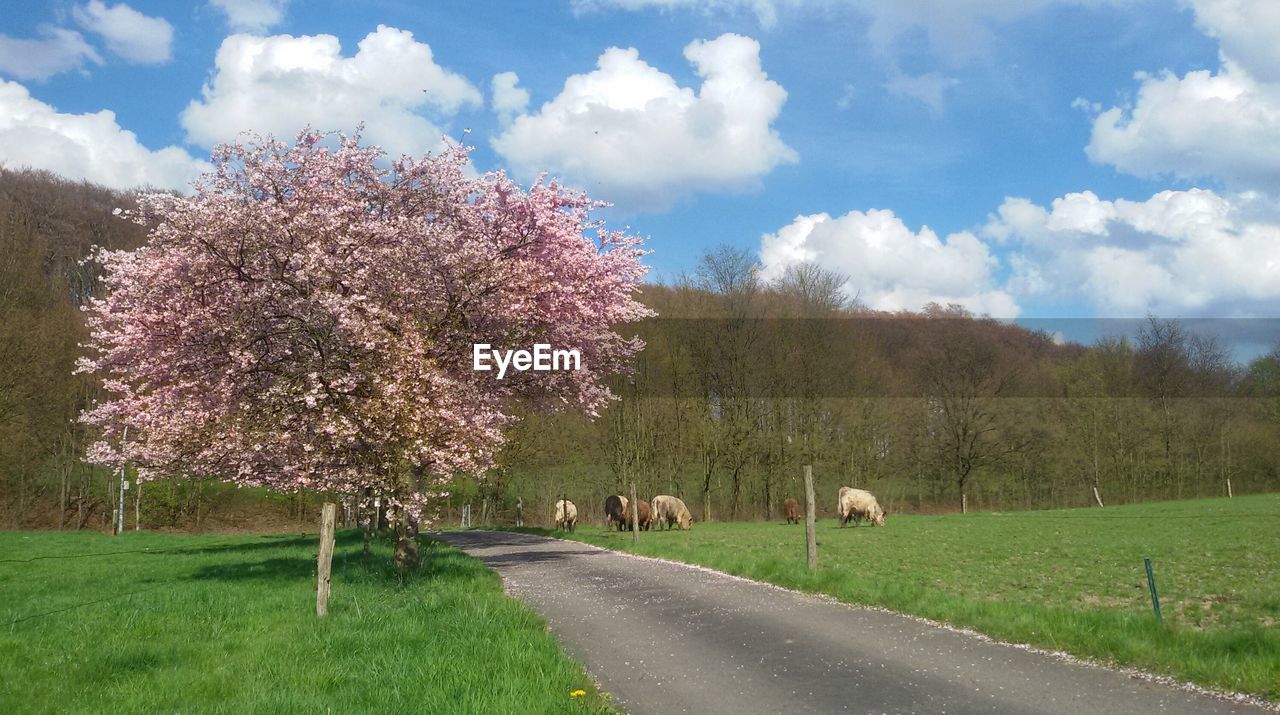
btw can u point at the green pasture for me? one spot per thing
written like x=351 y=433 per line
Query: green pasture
x=194 y=624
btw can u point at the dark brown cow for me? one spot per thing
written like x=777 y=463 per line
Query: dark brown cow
x=791 y=508
x=645 y=515
x=614 y=507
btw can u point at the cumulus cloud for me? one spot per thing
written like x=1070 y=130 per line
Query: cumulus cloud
x=92 y=147
x=129 y=34
x=891 y=267
x=1246 y=31
x=509 y=99
x=1191 y=253
x=1218 y=124
x=253 y=16
x=630 y=134
x=57 y=50
x=280 y=83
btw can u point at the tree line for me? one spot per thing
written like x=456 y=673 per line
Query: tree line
x=742 y=382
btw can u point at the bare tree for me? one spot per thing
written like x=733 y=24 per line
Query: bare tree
x=964 y=377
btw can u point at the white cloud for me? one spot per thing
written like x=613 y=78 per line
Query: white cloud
x=59 y=50
x=1223 y=125
x=929 y=88
x=280 y=83
x=1190 y=253
x=128 y=33
x=92 y=147
x=1246 y=31
x=509 y=99
x=252 y=16
x=891 y=267
x=630 y=134
x=1219 y=124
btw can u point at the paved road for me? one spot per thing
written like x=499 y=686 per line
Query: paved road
x=704 y=642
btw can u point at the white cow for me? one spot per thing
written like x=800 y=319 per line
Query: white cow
x=671 y=511
x=859 y=504
x=566 y=515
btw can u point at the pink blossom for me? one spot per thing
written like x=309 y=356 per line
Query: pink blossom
x=306 y=318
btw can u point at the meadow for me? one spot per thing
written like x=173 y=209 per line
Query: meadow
x=166 y=623
x=1069 y=580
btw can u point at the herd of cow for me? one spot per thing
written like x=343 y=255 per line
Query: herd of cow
x=854 y=505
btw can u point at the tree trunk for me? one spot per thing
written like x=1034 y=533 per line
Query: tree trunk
x=706 y=492
x=368 y=522
x=406 y=555
x=62 y=500
x=736 y=504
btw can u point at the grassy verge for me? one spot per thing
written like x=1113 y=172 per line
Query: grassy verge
x=1065 y=580
x=157 y=623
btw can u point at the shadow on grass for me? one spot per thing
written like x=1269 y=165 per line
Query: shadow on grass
x=243 y=544
x=437 y=560
x=275 y=569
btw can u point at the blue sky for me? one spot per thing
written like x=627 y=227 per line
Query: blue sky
x=1069 y=158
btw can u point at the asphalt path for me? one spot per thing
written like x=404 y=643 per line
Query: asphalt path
x=666 y=638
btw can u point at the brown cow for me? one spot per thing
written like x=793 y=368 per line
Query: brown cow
x=791 y=508
x=644 y=515
x=614 y=507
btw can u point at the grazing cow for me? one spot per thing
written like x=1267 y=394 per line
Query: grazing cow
x=614 y=507
x=644 y=516
x=671 y=511
x=791 y=508
x=859 y=504
x=566 y=515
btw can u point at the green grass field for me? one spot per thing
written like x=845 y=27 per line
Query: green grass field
x=1066 y=580
x=157 y=623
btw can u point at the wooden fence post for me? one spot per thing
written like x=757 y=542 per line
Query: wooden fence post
x=1229 y=494
x=325 y=561
x=810 y=519
x=635 y=516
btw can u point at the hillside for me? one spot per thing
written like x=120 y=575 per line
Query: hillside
x=742 y=382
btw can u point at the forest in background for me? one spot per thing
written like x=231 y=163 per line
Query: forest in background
x=742 y=383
